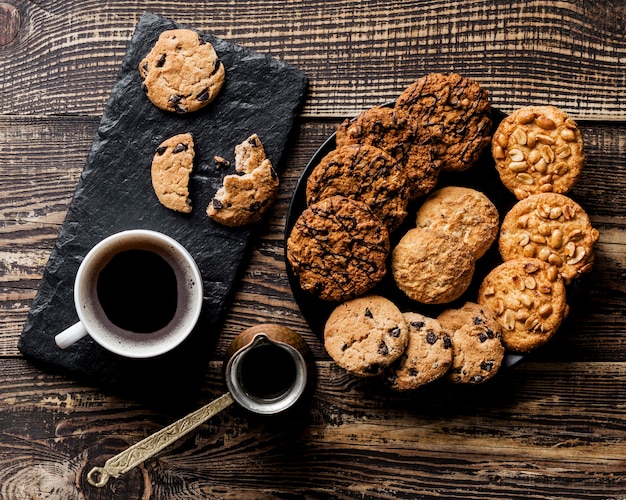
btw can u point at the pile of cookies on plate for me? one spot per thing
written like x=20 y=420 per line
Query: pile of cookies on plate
x=388 y=160
x=182 y=74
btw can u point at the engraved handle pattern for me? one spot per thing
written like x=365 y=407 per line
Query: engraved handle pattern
x=150 y=446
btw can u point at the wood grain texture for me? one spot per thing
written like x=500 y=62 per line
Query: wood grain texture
x=570 y=54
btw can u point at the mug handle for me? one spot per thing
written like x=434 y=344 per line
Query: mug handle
x=70 y=336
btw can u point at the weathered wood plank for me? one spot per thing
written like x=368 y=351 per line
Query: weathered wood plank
x=65 y=56
x=530 y=434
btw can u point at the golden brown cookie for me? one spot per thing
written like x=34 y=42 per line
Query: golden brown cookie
x=477 y=350
x=462 y=212
x=553 y=228
x=182 y=73
x=427 y=356
x=247 y=195
x=432 y=267
x=337 y=248
x=456 y=112
x=364 y=173
x=171 y=167
x=365 y=335
x=528 y=298
x=538 y=149
x=395 y=131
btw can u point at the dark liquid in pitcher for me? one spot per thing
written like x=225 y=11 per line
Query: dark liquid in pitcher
x=137 y=291
x=267 y=371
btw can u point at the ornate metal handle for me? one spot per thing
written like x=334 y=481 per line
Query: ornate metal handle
x=150 y=446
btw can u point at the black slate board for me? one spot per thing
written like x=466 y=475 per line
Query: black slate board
x=261 y=95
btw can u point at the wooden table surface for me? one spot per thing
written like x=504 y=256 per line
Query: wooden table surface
x=552 y=427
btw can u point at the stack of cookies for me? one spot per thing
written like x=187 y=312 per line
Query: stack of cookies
x=387 y=161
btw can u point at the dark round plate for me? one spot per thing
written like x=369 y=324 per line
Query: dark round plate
x=483 y=176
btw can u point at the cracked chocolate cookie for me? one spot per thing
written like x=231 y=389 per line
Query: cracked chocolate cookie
x=527 y=295
x=245 y=196
x=553 y=228
x=538 y=149
x=337 y=249
x=427 y=357
x=432 y=267
x=456 y=112
x=477 y=350
x=365 y=335
x=182 y=73
x=462 y=212
x=395 y=131
x=171 y=167
x=364 y=173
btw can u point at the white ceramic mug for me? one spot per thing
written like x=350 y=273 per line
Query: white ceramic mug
x=138 y=294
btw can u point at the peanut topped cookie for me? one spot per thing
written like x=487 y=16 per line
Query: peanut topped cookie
x=528 y=298
x=337 y=248
x=395 y=131
x=538 y=149
x=365 y=335
x=462 y=212
x=457 y=113
x=171 y=167
x=182 y=73
x=427 y=356
x=553 y=228
x=364 y=173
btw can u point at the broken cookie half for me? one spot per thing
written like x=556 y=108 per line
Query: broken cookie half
x=171 y=168
x=245 y=196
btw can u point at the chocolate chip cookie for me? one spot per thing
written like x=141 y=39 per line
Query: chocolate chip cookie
x=553 y=228
x=337 y=249
x=171 y=168
x=527 y=296
x=365 y=335
x=427 y=356
x=182 y=73
x=538 y=149
x=457 y=113
x=364 y=173
x=395 y=131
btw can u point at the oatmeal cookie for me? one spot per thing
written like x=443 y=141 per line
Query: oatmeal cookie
x=477 y=350
x=337 y=248
x=365 y=335
x=432 y=267
x=182 y=73
x=553 y=228
x=427 y=356
x=395 y=131
x=364 y=173
x=247 y=195
x=528 y=298
x=462 y=212
x=457 y=113
x=538 y=149
x=171 y=167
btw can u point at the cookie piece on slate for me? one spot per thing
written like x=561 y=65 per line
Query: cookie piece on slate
x=457 y=113
x=171 y=167
x=553 y=228
x=364 y=173
x=527 y=296
x=337 y=248
x=395 y=131
x=432 y=267
x=247 y=195
x=538 y=149
x=365 y=335
x=477 y=350
x=462 y=212
x=427 y=356
x=182 y=73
